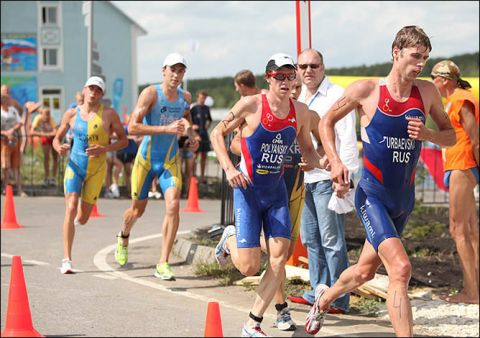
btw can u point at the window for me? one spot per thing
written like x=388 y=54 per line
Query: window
x=50 y=57
x=49 y=15
x=52 y=98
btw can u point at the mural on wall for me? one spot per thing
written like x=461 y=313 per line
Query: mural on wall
x=19 y=52
x=22 y=88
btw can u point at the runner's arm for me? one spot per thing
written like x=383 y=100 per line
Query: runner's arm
x=445 y=136
x=63 y=148
x=146 y=100
x=232 y=120
x=326 y=128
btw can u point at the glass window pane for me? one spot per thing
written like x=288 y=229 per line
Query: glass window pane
x=46 y=102
x=53 y=57
x=56 y=103
x=52 y=15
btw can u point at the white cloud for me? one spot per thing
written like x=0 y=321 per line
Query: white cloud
x=234 y=35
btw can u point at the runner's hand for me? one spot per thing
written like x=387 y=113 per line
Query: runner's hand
x=416 y=129
x=237 y=179
x=339 y=173
x=176 y=127
x=64 y=149
x=94 y=150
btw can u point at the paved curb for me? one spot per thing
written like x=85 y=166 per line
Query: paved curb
x=193 y=253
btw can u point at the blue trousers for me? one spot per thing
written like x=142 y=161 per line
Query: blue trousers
x=323 y=235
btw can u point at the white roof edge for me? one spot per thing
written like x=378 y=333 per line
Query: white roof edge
x=142 y=31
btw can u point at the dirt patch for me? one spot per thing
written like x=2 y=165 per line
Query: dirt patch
x=428 y=243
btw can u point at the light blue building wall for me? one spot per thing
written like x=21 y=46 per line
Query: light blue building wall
x=44 y=52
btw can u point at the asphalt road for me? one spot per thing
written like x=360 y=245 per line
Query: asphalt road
x=101 y=299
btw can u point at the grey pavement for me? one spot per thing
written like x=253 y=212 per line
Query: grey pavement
x=102 y=299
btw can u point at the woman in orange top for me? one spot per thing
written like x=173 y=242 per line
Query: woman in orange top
x=461 y=174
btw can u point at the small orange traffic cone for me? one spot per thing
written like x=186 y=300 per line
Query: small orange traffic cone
x=192 y=203
x=94 y=213
x=9 y=220
x=298 y=251
x=213 y=324
x=19 y=319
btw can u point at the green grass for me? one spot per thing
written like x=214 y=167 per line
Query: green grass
x=226 y=276
x=364 y=306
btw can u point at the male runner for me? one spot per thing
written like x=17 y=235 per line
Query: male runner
x=161 y=114
x=272 y=121
x=92 y=125
x=293 y=173
x=392 y=112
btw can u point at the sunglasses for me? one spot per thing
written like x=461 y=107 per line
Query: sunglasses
x=280 y=76
x=305 y=65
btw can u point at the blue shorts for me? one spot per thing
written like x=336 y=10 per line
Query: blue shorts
x=84 y=176
x=145 y=170
x=383 y=216
x=265 y=205
x=446 y=177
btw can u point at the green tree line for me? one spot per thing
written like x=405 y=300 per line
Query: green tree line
x=222 y=89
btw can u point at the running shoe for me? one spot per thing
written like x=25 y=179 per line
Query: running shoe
x=121 y=251
x=221 y=252
x=284 y=321
x=255 y=331
x=164 y=271
x=66 y=266
x=316 y=317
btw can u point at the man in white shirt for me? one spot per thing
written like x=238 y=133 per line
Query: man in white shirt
x=322 y=230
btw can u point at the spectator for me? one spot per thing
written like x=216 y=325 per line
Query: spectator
x=45 y=127
x=78 y=100
x=201 y=120
x=126 y=156
x=187 y=162
x=323 y=230
x=461 y=174
x=11 y=125
x=113 y=164
x=245 y=83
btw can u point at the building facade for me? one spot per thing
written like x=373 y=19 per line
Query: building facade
x=44 y=52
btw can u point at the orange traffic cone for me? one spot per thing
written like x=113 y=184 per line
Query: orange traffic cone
x=213 y=324
x=19 y=319
x=94 y=213
x=298 y=251
x=192 y=203
x=9 y=220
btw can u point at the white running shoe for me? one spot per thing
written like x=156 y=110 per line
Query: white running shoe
x=66 y=266
x=284 y=321
x=316 y=317
x=221 y=252
x=115 y=190
x=256 y=331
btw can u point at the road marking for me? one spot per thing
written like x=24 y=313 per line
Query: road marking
x=27 y=261
x=105 y=277
x=100 y=261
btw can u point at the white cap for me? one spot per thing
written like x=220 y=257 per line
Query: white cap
x=173 y=59
x=279 y=60
x=95 y=81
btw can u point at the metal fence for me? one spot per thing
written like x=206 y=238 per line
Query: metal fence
x=427 y=189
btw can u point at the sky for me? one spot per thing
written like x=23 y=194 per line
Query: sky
x=219 y=38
